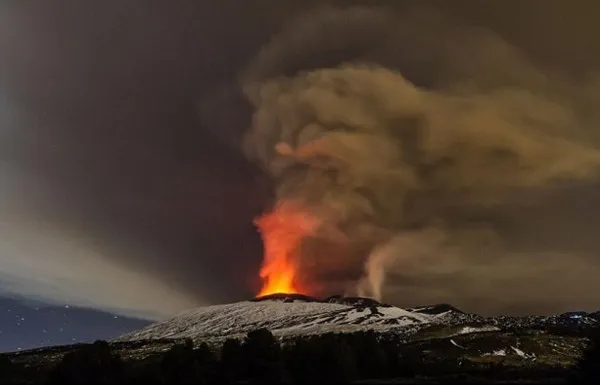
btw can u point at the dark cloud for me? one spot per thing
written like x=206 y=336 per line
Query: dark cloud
x=128 y=120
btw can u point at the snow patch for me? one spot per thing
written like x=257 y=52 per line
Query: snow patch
x=522 y=354
x=478 y=329
x=499 y=352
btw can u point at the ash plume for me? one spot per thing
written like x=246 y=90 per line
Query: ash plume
x=422 y=146
x=42 y=260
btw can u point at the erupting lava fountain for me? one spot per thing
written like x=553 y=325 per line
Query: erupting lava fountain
x=282 y=231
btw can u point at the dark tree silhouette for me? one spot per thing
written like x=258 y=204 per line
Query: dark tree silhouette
x=263 y=357
x=321 y=359
x=91 y=364
x=370 y=356
x=8 y=373
x=396 y=365
x=6 y=364
x=232 y=364
x=588 y=367
x=207 y=365
x=185 y=365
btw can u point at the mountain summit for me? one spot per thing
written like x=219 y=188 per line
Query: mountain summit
x=285 y=315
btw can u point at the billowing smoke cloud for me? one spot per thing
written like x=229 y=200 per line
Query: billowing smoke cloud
x=427 y=145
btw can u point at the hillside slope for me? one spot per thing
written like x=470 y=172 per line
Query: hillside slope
x=284 y=316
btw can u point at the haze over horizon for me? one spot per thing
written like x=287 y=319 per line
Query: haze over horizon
x=125 y=185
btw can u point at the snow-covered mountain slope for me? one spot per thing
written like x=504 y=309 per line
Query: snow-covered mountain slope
x=288 y=316
x=285 y=316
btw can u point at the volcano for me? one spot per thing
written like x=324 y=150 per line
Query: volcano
x=296 y=315
x=286 y=315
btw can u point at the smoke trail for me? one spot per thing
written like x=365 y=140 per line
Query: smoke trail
x=42 y=255
x=40 y=259
x=416 y=173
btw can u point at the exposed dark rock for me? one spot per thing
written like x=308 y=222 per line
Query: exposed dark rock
x=354 y=301
x=436 y=309
x=285 y=297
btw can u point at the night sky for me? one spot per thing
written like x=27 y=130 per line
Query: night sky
x=123 y=186
x=27 y=324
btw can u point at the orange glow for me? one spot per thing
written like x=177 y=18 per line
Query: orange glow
x=282 y=231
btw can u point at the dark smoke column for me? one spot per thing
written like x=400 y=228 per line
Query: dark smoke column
x=389 y=168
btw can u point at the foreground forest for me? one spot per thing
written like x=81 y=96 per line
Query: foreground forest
x=362 y=357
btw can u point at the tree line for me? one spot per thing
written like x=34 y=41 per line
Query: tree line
x=258 y=359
